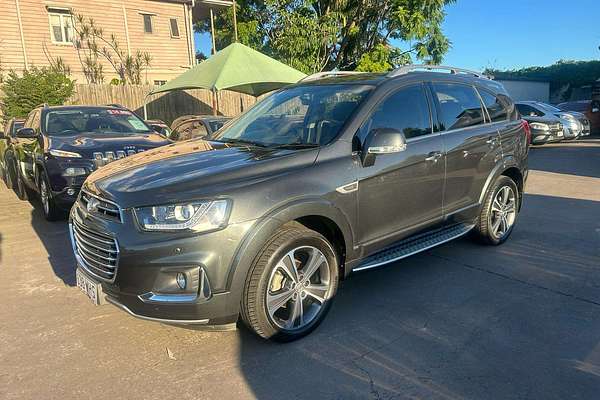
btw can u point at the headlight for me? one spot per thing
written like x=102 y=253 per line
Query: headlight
x=66 y=154
x=539 y=125
x=198 y=217
x=74 y=171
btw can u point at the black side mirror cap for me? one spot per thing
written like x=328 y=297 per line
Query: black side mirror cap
x=382 y=141
x=26 y=133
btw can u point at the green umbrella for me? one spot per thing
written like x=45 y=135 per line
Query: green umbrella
x=238 y=68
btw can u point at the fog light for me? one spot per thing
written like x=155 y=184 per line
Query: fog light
x=181 y=280
x=71 y=192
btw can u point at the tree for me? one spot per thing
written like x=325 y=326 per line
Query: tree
x=337 y=34
x=36 y=86
x=93 y=45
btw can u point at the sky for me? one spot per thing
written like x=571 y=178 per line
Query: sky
x=511 y=34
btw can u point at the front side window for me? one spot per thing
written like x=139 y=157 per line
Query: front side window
x=300 y=116
x=147 y=23
x=459 y=105
x=529 y=111
x=93 y=120
x=61 y=26
x=406 y=111
x=495 y=107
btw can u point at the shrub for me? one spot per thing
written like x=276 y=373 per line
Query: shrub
x=36 y=86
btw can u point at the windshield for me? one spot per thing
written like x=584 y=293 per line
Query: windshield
x=549 y=107
x=301 y=116
x=93 y=120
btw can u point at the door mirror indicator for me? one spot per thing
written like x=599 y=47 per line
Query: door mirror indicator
x=382 y=141
x=26 y=133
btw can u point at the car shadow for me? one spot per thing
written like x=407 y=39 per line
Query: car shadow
x=459 y=321
x=558 y=158
x=55 y=238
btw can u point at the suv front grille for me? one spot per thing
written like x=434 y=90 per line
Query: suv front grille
x=98 y=252
x=101 y=159
x=99 y=206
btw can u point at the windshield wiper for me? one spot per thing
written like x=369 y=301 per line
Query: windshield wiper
x=242 y=141
x=295 y=146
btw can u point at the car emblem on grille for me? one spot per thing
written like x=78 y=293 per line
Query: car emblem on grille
x=92 y=205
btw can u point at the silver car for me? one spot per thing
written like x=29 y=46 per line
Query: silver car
x=576 y=125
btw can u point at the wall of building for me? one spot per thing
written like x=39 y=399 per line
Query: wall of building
x=170 y=56
x=527 y=90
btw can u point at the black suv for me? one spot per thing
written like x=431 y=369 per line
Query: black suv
x=58 y=147
x=338 y=173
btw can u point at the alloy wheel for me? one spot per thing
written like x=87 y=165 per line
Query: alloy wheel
x=504 y=211
x=298 y=288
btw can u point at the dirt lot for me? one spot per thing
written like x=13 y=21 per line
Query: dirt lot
x=460 y=321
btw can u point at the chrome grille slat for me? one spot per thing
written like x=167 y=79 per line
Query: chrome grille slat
x=97 y=252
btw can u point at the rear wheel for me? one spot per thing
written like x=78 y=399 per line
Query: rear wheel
x=291 y=285
x=499 y=212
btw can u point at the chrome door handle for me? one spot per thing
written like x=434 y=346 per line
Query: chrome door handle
x=434 y=156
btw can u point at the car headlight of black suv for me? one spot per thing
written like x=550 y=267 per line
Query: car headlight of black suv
x=198 y=217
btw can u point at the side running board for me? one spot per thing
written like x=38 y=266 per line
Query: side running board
x=414 y=245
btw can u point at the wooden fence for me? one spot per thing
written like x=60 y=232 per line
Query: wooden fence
x=164 y=106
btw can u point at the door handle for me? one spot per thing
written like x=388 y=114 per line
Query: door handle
x=434 y=156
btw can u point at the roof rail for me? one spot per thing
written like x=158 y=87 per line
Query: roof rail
x=320 y=75
x=115 y=105
x=453 y=70
x=43 y=105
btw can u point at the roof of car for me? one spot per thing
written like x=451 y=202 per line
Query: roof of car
x=79 y=107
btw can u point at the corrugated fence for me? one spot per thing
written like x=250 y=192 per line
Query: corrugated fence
x=164 y=106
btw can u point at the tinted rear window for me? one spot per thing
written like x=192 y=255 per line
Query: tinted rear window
x=460 y=105
x=496 y=108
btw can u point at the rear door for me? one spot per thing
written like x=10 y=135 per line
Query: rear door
x=25 y=148
x=472 y=144
x=402 y=191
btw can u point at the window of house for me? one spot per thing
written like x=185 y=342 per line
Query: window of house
x=61 y=25
x=460 y=106
x=148 y=28
x=174 y=28
x=407 y=111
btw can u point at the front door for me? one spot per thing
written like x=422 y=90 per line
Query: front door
x=402 y=191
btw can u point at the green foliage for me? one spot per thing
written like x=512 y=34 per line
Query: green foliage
x=37 y=86
x=337 y=34
x=564 y=73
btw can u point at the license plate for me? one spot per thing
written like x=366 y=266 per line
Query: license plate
x=90 y=288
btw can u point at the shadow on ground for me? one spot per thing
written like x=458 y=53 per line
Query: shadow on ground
x=558 y=158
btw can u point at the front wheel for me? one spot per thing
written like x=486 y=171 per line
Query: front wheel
x=290 y=285
x=499 y=212
x=51 y=211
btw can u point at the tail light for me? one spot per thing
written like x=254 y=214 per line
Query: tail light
x=527 y=130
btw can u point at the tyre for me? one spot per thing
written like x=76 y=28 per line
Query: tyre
x=9 y=175
x=290 y=285
x=51 y=211
x=23 y=192
x=499 y=212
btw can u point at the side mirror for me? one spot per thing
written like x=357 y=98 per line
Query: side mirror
x=26 y=133
x=382 y=141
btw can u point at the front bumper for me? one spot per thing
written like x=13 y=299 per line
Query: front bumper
x=539 y=136
x=148 y=261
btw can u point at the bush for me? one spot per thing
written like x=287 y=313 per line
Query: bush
x=37 y=86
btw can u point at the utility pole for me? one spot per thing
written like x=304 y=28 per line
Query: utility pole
x=235 y=30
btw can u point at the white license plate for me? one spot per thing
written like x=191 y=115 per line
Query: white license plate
x=91 y=289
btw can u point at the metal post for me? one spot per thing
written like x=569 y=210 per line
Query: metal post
x=215 y=104
x=235 y=31
x=146 y=107
x=212 y=31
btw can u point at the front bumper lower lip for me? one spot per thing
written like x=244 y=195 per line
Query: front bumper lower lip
x=153 y=319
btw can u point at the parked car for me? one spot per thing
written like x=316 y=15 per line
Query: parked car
x=576 y=125
x=332 y=175
x=6 y=151
x=160 y=127
x=545 y=126
x=197 y=126
x=590 y=108
x=59 y=146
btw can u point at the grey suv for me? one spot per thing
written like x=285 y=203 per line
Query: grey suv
x=338 y=173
